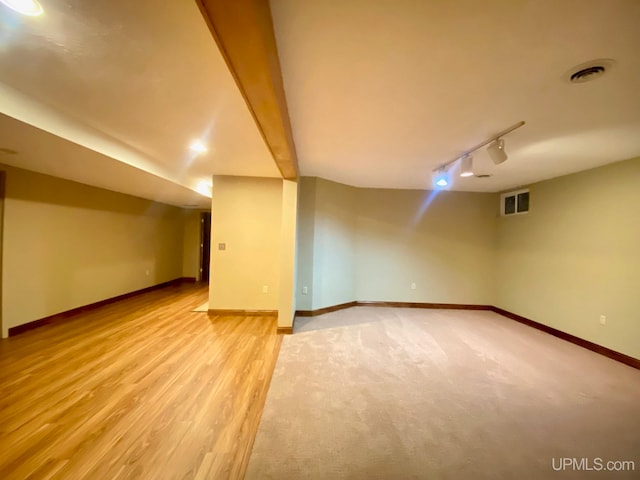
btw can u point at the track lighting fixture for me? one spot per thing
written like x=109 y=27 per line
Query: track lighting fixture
x=466 y=166
x=441 y=177
x=496 y=152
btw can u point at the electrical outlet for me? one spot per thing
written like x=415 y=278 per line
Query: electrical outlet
x=146 y=272
x=222 y=246
x=413 y=286
x=603 y=319
x=305 y=290
x=265 y=289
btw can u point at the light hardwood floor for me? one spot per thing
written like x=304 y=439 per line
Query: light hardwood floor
x=142 y=388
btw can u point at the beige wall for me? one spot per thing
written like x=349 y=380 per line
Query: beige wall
x=444 y=243
x=326 y=236
x=333 y=244
x=304 y=240
x=68 y=245
x=288 y=238
x=371 y=244
x=246 y=215
x=576 y=256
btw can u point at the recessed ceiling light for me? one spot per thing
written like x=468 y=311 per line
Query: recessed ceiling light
x=26 y=7
x=204 y=187
x=198 y=147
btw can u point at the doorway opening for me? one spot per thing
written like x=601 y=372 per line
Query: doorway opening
x=2 y=182
x=205 y=245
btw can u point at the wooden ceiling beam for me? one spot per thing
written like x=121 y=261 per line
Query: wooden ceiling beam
x=243 y=30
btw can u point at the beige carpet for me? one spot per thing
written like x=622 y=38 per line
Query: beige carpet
x=381 y=393
x=202 y=308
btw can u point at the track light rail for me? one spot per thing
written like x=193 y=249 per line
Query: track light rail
x=444 y=166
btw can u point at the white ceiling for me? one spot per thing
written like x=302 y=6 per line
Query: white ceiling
x=62 y=158
x=381 y=92
x=131 y=81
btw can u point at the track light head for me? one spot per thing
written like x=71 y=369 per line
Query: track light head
x=496 y=151
x=441 y=178
x=466 y=166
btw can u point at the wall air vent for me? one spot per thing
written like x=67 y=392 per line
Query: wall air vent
x=514 y=203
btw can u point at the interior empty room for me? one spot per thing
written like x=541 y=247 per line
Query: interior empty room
x=292 y=239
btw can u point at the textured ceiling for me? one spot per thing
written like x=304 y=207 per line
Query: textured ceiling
x=381 y=92
x=144 y=77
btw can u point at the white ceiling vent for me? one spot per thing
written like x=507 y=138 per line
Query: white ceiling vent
x=585 y=72
x=514 y=203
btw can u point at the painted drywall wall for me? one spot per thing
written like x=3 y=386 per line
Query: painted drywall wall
x=288 y=237
x=246 y=216
x=191 y=244
x=372 y=244
x=576 y=256
x=333 y=244
x=68 y=245
x=442 y=242
x=304 y=241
